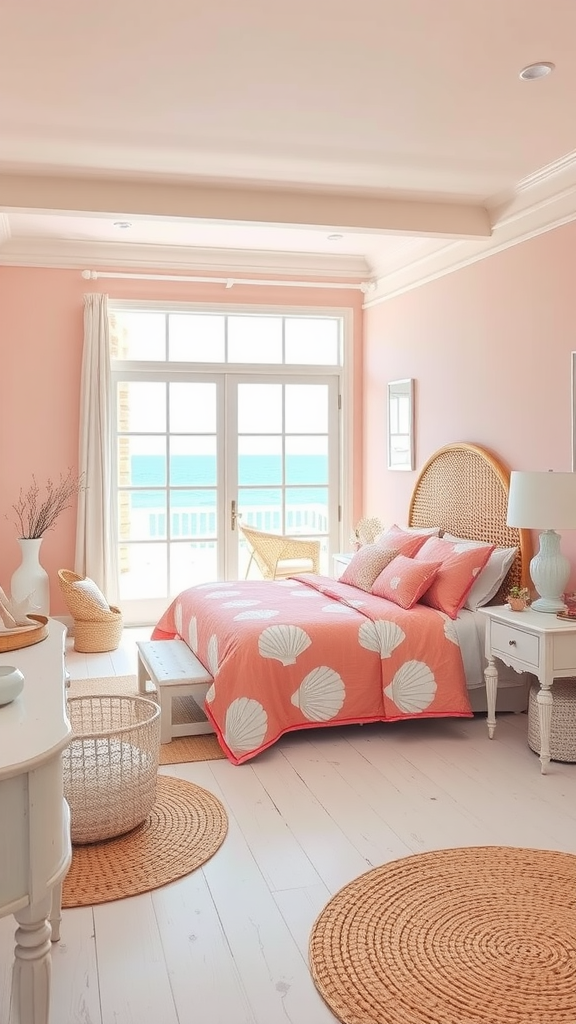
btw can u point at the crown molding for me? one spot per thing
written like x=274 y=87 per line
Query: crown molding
x=543 y=201
x=66 y=254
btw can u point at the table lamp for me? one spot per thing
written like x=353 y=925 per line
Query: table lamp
x=547 y=502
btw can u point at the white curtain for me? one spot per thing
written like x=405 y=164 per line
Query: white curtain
x=96 y=533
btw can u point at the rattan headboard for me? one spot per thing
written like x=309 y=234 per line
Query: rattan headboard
x=463 y=488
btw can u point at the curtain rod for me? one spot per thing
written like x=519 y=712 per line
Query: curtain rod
x=229 y=282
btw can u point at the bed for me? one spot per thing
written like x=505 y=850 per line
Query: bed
x=311 y=651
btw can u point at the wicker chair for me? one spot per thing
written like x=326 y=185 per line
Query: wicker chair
x=277 y=556
x=97 y=625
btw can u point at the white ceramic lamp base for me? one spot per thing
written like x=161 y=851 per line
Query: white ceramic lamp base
x=550 y=570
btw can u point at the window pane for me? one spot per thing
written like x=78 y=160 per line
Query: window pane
x=193 y=408
x=307 y=460
x=192 y=461
x=138 y=335
x=142 y=461
x=142 y=515
x=193 y=513
x=311 y=340
x=191 y=564
x=260 y=460
x=306 y=408
x=259 y=408
x=196 y=338
x=262 y=508
x=142 y=406
x=143 y=571
x=306 y=510
x=254 y=339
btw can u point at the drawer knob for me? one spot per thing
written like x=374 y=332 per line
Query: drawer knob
x=512 y=643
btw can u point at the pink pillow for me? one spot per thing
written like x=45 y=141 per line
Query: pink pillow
x=456 y=575
x=404 y=580
x=406 y=543
x=366 y=565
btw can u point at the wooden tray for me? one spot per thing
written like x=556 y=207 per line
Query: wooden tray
x=24 y=636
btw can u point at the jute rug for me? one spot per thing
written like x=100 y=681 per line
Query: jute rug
x=185 y=709
x=482 y=935
x=183 y=830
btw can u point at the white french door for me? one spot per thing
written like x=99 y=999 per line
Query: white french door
x=195 y=450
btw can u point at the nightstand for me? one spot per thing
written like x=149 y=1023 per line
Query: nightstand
x=529 y=641
x=339 y=563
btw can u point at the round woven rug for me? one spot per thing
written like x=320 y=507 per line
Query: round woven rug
x=183 y=830
x=485 y=935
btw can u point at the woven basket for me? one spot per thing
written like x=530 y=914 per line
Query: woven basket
x=111 y=766
x=563 y=724
x=96 y=629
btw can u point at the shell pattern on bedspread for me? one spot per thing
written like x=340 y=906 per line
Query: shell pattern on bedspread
x=413 y=687
x=283 y=643
x=381 y=636
x=320 y=695
x=246 y=724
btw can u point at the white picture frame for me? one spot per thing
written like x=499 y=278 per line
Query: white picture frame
x=400 y=419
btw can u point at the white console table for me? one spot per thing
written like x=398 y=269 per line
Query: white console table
x=35 y=848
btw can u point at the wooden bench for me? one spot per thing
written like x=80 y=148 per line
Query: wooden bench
x=174 y=671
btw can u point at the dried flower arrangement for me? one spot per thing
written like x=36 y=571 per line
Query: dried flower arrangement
x=36 y=513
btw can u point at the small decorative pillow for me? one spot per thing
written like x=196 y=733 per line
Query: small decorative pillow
x=366 y=565
x=405 y=580
x=92 y=591
x=460 y=567
x=492 y=576
x=406 y=542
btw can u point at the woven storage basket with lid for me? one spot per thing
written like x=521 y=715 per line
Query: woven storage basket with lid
x=563 y=723
x=96 y=628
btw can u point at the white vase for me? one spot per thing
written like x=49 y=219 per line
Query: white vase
x=30 y=580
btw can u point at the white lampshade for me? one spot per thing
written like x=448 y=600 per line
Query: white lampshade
x=542 y=501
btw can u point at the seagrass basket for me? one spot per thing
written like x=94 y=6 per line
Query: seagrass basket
x=563 y=723
x=110 y=767
x=97 y=628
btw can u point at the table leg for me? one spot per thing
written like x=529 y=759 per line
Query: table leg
x=165 y=698
x=56 y=912
x=544 y=699
x=491 y=680
x=142 y=675
x=30 y=1002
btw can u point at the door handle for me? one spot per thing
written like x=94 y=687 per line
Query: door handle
x=234 y=515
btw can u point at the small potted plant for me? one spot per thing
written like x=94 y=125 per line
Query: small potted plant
x=518 y=598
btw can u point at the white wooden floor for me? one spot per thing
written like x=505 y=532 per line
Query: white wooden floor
x=228 y=944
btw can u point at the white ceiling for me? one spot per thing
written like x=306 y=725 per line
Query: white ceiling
x=228 y=134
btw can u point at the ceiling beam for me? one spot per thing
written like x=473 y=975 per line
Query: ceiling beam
x=332 y=211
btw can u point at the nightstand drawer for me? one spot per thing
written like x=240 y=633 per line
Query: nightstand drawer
x=515 y=643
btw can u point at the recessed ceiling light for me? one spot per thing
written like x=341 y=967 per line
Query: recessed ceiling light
x=123 y=224
x=334 y=238
x=538 y=70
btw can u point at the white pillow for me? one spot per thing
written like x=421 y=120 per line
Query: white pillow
x=493 y=574
x=92 y=591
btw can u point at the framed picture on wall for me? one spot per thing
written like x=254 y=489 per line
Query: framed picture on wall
x=401 y=424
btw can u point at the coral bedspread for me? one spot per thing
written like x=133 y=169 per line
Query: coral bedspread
x=309 y=651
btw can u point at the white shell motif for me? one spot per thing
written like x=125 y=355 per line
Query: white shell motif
x=450 y=629
x=258 y=613
x=211 y=694
x=239 y=604
x=413 y=687
x=178 y=618
x=283 y=643
x=304 y=593
x=246 y=724
x=381 y=636
x=395 y=582
x=320 y=695
x=210 y=586
x=224 y=593
x=193 y=634
x=213 y=654
x=337 y=609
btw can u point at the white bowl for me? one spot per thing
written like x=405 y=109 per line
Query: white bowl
x=11 y=683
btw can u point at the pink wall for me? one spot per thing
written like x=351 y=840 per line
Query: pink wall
x=41 y=328
x=489 y=347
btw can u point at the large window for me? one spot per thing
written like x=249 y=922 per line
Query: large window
x=219 y=412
